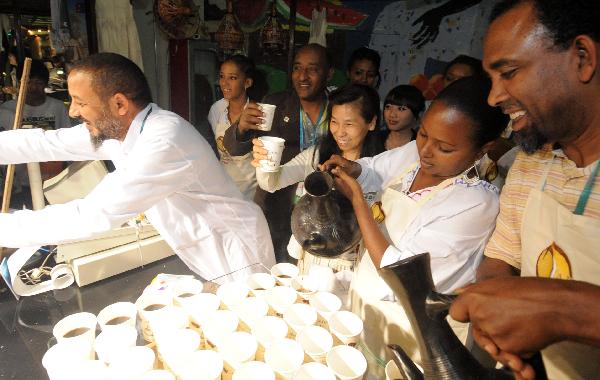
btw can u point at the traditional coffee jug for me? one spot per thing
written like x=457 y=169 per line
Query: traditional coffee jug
x=443 y=355
x=323 y=221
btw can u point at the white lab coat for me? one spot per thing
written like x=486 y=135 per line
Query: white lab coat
x=167 y=171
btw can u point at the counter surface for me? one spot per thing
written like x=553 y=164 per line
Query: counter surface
x=26 y=325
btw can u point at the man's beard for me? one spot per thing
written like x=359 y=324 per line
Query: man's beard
x=530 y=139
x=108 y=128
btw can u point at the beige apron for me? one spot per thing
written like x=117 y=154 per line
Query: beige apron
x=384 y=319
x=558 y=243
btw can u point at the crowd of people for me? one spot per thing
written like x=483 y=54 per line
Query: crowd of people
x=420 y=178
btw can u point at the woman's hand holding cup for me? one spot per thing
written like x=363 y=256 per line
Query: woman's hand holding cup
x=258 y=152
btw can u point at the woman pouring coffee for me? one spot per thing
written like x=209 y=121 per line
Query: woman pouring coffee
x=432 y=201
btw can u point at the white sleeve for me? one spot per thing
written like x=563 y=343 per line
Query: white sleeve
x=151 y=175
x=37 y=145
x=454 y=229
x=213 y=117
x=377 y=171
x=290 y=173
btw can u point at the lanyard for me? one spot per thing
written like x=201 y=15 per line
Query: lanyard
x=145 y=118
x=302 y=147
x=587 y=190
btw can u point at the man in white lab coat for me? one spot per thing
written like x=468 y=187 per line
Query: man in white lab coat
x=164 y=168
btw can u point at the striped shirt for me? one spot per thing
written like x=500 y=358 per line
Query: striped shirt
x=564 y=183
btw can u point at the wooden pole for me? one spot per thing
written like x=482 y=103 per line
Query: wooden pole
x=10 y=170
x=292 y=25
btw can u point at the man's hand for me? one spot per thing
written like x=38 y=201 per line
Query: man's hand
x=258 y=152
x=351 y=168
x=251 y=118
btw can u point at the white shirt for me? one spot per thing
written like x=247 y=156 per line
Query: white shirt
x=239 y=168
x=167 y=171
x=52 y=114
x=454 y=226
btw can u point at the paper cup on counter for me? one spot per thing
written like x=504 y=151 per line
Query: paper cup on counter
x=346 y=327
x=250 y=310
x=254 y=370
x=284 y=273
x=232 y=293
x=316 y=343
x=280 y=298
x=285 y=357
x=218 y=325
x=314 y=371
x=259 y=283
x=236 y=349
x=274 y=147
x=149 y=304
x=172 y=346
x=117 y=315
x=111 y=341
x=199 y=365
x=200 y=306
x=186 y=288
x=326 y=304
x=298 y=316
x=169 y=320
x=157 y=374
x=60 y=357
x=269 y=111
x=305 y=286
x=85 y=369
x=392 y=372
x=131 y=363
x=79 y=328
x=346 y=362
x=267 y=331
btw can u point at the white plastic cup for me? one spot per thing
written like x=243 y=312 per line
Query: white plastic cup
x=280 y=298
x=274 y=147
x=149 y=304
x=236 y=349
x=117 y=315
x=284 y=273
x=250 y=310
x=112 y=340
x=316 y=343
x=175 y=344
x=200 y=306
x=157 y=374
x=285 y=357
x=269 y=111
x=305 y=286
x=62 y=355
x=254 y=370
x=218 y=325
x=326 y=304
x=259 y=283
x=267 y=331
x=346 y=362
x=78 y=327
x=170 y=319
x=392 y=372
x=131 y=363
x=186 y=288
x=232 y=293
x=314 y=371
x=298 y=316
x=346 y=327
x=199 y=365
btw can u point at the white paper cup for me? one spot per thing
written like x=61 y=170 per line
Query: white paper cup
x=346 y=362
x=250 y=310
x=157 y=374
x=325 y=277
x=175 y=344
x=326 y=304
x=149 y=304
x=316 y=343
x=305 y=286
x=186 y=288
x=131 y=363
x=118 y=314
x=267 y=331
x=112 y=340
x=392 y=372
x=274 y=147
x=62 y=355
x=236 y=349
x=78 y=327
x=170 y=319
x=269 y=111
x=218 y=325
x=284 y=273
x=259 y=283
x=86 y=369
x=232 y=293
x=298 y=316
x=314 y=371
x=345 y=327
x=199 y=365
x=254 y=370
x=200 y=306
x=285 y=357
x=280 y=298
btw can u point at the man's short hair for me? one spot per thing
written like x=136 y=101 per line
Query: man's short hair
x=38 y=70
x=321 y=50
x=563 y=20
x=112 y=73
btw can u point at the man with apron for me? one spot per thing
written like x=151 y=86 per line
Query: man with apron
x=549 y=221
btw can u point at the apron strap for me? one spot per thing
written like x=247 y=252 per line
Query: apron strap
x=587 y=190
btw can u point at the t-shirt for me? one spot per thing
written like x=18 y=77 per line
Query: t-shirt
x=52 y=114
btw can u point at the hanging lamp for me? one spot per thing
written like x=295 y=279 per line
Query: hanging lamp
x=229 y=35
x=272 y=36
